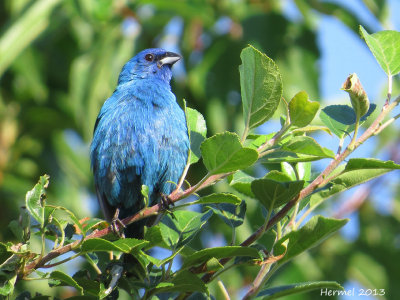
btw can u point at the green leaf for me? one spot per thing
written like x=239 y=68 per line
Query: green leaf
x=91 y=223
x=224 y=153
x=218 y=252
x=254 y=141
x=197 y=132
x=49 y=210
x=307 y=145
x=287 y=171
x=312 y=128
x=4 y=253
x=272 y=193
x=301 y=110
x=159 y=262
x=7 y=286
x=180 y=229
x=298 y=149
x=90 y=286
x=385 y=46
x=280 y=156
x=308 y=236
x=261 y=87
x=123 y=245
x=241 y=182
x=17 y=230
x=219 y=198
x=357 y=171
x=154 y=236
x=297 y=288
x=278 y=176
x=34 y=199
x=65 y=280
x=184 y=281
x=24 y=30
x=11 y=264
x=86 y=297
x=145 y=192
x=370 y=164
x=341 y=119
x=232 y=215
x=187 y=281
x=303 y=170
x=25 y=223
x=214 y=265
x=200 y=296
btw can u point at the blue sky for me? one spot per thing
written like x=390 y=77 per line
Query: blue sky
x=344 y=52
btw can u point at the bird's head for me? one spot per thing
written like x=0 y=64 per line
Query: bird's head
x=152 y=63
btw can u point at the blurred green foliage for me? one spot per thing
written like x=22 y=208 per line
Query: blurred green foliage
x=59 y=61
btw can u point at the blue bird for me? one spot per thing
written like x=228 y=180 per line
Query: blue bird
x=140 y=138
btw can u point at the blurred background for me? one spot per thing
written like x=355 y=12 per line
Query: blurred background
x=60 y=60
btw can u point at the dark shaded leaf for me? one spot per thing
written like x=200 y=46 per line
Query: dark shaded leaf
x=184 y=281
x=124 y=245
x=204 y=255
x=341 y=119
x=180 y=229
x=219 y=198
x=65 y=280
x=241 y=182
x=232 y=215
x=272 y=193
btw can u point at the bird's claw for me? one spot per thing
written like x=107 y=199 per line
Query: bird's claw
x=166 y=203
x=117 y=227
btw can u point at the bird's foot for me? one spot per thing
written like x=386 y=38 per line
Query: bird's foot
x=166 y=203
x=117 y=226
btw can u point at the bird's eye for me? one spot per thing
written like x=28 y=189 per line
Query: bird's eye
x=149 y=57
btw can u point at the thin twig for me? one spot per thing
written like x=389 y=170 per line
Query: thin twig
x=320 y=181
x=390 y=84
x=263 y=275
x=153 y=210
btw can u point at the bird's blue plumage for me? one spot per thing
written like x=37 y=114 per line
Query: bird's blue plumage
x=140 y=137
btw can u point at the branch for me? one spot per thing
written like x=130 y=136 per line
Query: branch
x=175 y=196
x=320 y=181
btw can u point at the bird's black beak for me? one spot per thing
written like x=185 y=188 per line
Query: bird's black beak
x=169 y=58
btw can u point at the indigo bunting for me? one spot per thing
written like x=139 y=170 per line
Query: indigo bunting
x=140 y=138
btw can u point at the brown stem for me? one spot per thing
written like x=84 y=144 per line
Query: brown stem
x=320 y=181
x=174 y=197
